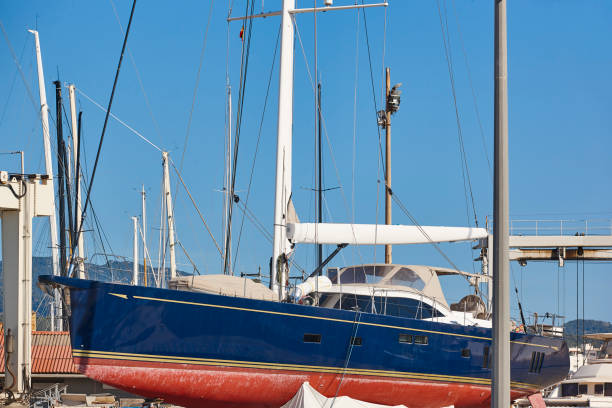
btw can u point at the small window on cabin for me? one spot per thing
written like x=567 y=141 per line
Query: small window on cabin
x=466 y=353
x=332 y=274
x=569 y=390
x=599 y=389
x=312 y=338
x=608 y=389
x=583 y=389
x=420 y=340
x=356 y=341
x=405 y=338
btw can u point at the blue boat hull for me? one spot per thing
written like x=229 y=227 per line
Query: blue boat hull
x=196 y=349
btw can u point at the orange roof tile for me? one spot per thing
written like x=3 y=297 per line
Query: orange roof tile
x=51 y=353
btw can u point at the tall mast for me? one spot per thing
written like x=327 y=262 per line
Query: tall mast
x=144 y=232
x=60 y=177
x=227 y=238
x=388 y=250
x=320 y=183
x=281 y=245
x=135 y=253
x=501 y=303
x=44 y=118
x=170 y=215
x=77 y=187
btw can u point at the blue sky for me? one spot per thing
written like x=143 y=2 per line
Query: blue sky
x=560 y=122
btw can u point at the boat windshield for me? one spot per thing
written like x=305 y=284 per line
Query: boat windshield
x=375 y=274
x=391 y=306
x=605 y=351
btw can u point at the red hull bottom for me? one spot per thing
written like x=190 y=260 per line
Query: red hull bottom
x=228 y=387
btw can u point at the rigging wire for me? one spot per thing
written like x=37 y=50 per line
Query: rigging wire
x=469 y=73
x=248 y=213
x=434 y=244
x=263 y=113
x=355 y=116
x=384 y=50
x=137 y=133
x=244 y=66
x=10 y=92
x=329 y=144
x=449 y=63
x=110 y=102
x=37 y=108
x=365 y=25
x=382 y=162
x=162 y=206
x=140 y=83
x=583 y=345
x=260 y=226
x=196 y=207
x=195 y=89
x=193 y=99
x=349 y=352
x=577 y=307
x=147 y=255
x=23 y=78
x=316 y=117
x=188 y=257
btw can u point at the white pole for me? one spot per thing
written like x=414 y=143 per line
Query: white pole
x=283 y=153
x=44 y=118
x=77 y=187
x=501 y=278
x=135 y=253
x=170 y=215
x=144 y=233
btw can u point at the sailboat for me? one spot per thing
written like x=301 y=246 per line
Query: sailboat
x=251 y=348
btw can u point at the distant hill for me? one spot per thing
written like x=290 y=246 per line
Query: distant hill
x=590 y=326
x=112 y=271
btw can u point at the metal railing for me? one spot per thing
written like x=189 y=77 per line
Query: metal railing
x=48 y=397
x=593 y=226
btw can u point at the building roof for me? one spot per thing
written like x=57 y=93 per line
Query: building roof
x=51 y=353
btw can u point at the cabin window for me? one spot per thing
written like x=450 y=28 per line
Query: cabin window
x=332 y=274
x=608 y=389
x=407 y=277
x=400 y=307
x=466 y=352
x=420 y=340
x=356 y=341
x=486 y=358
x=599 y=388
x=312 y=338
x=569 y=390
x=405 y=338
x=411 y=308
x=583 y=389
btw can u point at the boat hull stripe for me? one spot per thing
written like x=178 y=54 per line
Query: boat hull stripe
x=275 y=366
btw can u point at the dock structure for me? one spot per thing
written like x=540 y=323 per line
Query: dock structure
x=22 y=197
x=552 y=240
